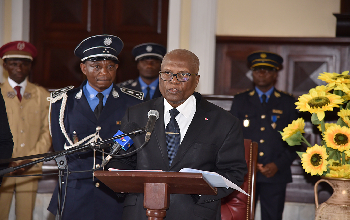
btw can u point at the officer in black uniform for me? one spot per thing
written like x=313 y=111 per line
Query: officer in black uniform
x=263 y=112
x=81 y=115
x=148 y=57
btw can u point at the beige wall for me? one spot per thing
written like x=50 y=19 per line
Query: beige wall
x=278 y=18
x=271 y=18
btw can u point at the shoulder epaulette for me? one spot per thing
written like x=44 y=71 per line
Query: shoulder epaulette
x=289 y=94
x=122 y=84
x=242 y=92
x=133 y=93
x=58 y=92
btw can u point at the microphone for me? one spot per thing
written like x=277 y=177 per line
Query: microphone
x=121 y=143
x=153 y=115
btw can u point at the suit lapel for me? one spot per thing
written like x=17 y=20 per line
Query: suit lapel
x=193 y=130
x=159 y=131
x=82 y=106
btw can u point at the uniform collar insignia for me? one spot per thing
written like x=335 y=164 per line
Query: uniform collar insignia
x=277 y=94
x=79 y=94
x=277 y=111
x=133 y=93
x=134 y=84
x=11 y=94
x=252 y=93
x=115 y=94
x=27 y=95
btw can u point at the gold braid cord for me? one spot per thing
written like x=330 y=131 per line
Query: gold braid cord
x=89 y=139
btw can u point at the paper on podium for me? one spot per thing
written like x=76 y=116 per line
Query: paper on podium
x=214 y=179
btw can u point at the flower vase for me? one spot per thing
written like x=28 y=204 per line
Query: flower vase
x=337 y=207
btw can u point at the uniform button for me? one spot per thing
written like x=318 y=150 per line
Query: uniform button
x=261 y=154
x=21 y=107
x=22 y=145
x=22 y=131
x=262 y=141
x=263 y=116
x=97 y=185
x=262 y=128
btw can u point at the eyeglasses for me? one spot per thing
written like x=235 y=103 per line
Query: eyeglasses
x=181 y=77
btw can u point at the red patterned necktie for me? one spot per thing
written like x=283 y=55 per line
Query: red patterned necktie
x=18 y=90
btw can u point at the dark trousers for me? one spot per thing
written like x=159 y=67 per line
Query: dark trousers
x=272 y=197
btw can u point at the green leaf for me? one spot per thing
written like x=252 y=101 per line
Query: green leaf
x=295 y=139
x=314 y=119
x=300 y=154
x=338 y=92
x=341 y=123
x=348 y=105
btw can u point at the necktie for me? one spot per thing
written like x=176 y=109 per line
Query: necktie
x=148 y=96
x=263 y=97
x=18 y=90
x=172 y=133
x=99 y=107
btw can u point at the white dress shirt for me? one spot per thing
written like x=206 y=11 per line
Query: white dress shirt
x=13 y=84
x=184 y=118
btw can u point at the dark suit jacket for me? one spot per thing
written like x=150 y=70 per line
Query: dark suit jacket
x=213 y=142
x=6 y=142
x=135 y=85
x=84 y=200
x=281 y=108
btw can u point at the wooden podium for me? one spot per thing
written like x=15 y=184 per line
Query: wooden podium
x=156 y=186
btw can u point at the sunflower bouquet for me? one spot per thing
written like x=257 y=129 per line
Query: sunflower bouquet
x=331 y=158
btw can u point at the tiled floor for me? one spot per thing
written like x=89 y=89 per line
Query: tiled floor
x=292 y=211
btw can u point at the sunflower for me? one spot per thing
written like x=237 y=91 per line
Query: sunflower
x=335 y=78
x=294 y=127
x=314 y=161
x=344 y=88
x=339 y=171
x=337 y=137
x=318 y=100
x=345 y=115
x=327 y=125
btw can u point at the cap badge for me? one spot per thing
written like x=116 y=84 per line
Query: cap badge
x=149 y=48
x=263 y=55
x=107 y=41
x=20 y=46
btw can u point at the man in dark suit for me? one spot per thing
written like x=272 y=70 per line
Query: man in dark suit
x=202 y=136
x=6 y=142
x=91 y=112
x=263 y=112
x=148 y=57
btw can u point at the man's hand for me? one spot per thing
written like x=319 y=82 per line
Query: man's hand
x=21 y=170
x=269 y=170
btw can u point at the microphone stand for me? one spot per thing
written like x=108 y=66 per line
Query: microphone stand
x=61 y=161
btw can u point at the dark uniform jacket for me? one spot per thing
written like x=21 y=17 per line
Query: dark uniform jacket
x=135 y=85
x=264 y=126
x=6 y=142
x=87 y=198
x=213 y=142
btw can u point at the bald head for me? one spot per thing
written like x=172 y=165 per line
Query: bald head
x=183 y=54
x=179 y=61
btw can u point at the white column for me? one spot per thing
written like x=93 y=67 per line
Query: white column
x=202 y=41
x=174 y=24
x=20 y=20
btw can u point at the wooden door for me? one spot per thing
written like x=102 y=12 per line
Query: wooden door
x=58 y=26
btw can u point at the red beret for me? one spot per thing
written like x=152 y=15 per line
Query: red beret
x=18 y=49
